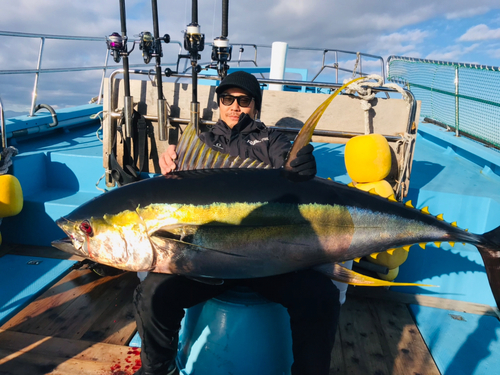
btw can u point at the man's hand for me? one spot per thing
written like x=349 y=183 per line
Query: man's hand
x=304 y=165
x=167 y=164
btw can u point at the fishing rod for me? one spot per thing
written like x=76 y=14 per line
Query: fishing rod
x=117 y=45
x=221 y=50
x=194 y=42
x=163 y=122
x=127 y=100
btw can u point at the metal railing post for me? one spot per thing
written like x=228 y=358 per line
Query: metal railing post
x=457 y=115
x=103 y=76
x=337 y=65
x=2 y=126
x=37 y=75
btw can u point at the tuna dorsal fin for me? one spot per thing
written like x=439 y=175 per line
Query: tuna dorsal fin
x=305 y=134
x=192 y=153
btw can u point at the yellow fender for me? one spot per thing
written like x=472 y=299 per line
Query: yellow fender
x=11 y=196
x=368 y=158
x=368 y=162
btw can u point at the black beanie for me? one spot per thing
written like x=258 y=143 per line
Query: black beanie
x=244 y=81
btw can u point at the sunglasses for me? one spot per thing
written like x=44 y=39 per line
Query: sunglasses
x=243 y=101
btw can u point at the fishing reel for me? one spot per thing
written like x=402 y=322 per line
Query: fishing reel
x=117 y=45
x=151 y=47
x=194 y=41
x=147 y=46
x=221 y=54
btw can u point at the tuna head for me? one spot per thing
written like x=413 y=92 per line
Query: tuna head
x=117 y=240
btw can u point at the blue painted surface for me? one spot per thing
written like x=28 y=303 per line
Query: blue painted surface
x=23 y=282
x=58 y=172
x=65 y=116
x=460 y=343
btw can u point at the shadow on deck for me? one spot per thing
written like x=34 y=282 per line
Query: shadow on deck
x=82 y=324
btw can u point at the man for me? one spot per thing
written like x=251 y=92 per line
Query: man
x=311 y=298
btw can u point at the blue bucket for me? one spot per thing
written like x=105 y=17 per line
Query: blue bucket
x=238 y=332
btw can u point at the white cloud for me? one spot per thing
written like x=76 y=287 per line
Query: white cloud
x=452 y=53
x=400 y=43
x=467 y=13
x=480 y=32
x=381 y=28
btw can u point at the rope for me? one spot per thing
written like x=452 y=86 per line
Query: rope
x=364 y=90
x=6 y=159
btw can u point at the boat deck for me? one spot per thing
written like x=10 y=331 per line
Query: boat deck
x=83 y=323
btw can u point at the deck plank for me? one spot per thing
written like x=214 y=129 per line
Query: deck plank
x=361 y=343
x=24 y=353
x=81 y=302
x=403 y=340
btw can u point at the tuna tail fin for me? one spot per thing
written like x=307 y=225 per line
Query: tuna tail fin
x=306 y=133
x=344 y=275
x=490 y=252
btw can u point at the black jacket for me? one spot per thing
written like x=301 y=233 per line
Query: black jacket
x=248 y=139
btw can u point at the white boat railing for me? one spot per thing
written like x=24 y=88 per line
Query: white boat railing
x=39 y=70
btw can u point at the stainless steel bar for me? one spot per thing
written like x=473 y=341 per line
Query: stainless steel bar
x=101 y=88
x=37 y=74
x=2 y=126
x=267 y=80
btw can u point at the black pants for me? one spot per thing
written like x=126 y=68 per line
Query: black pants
x=312 y=301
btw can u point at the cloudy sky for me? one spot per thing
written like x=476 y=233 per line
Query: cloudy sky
x=450 y=30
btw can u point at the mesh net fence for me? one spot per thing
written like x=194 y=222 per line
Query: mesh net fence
x=462 y=96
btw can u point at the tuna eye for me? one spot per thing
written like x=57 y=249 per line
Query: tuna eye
x=86 y=228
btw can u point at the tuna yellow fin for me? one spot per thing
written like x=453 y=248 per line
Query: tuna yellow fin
x=408 y=204
x=452 y=244
x=422 y=245
x=440 y=217
x=373 y=191
x=344 y=275
x=392 y=198
x=306 y=133
x=425 y=210
x=357 y=259
x=391 y=251
x=438 y=244
x=454 y=224
x=407 y=247
x=374 y=255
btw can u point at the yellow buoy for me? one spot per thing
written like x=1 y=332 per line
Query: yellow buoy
x=11 y=196
x=397 y=258
x=391 y=275
x=368 y=158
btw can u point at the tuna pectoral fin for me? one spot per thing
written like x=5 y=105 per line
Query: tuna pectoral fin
x=182 y=258
x=338 y=273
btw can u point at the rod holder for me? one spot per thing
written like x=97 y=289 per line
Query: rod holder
x=195 y=116
x=163 y=122
x=127 y=113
